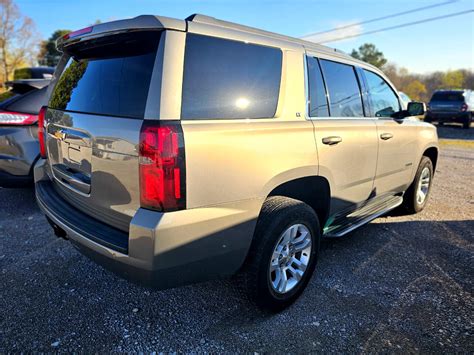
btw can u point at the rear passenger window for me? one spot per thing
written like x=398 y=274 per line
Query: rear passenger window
x=318 y=104
x=382 y=98
x=343 y=89
x=226 y=79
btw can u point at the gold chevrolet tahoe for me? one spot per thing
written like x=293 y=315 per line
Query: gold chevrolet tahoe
x=178 y=151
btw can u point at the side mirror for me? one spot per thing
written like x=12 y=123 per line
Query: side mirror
x=416 y=108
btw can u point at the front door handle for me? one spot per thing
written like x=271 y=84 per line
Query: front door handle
x=332 y=140
x=386 y=136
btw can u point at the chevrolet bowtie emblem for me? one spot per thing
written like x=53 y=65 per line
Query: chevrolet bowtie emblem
x=60 y=135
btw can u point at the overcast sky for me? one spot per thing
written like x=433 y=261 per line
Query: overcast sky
x=438 y=45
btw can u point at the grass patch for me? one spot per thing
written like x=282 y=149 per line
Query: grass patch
x=456 y=142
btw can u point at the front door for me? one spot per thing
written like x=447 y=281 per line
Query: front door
x=397 y=138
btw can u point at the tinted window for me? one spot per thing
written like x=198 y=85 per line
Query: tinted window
x=343 y=88
x=30 y=102
x=7 y=97
x=318 y=105
x=448 y=96
x=229 y=79
x=382 y=98
x=109 y=77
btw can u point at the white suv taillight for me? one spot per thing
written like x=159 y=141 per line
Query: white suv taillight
x=162 y=166
x=17 y=118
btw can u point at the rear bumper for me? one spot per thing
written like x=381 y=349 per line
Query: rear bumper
x=19 y=149
x=458 y=117
x=161 y=250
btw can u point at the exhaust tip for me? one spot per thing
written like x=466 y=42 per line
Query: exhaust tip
x=58 y=231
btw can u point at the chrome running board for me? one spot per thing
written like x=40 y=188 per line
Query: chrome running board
x=343 y=225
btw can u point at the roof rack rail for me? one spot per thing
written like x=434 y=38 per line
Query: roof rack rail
x=216 y=22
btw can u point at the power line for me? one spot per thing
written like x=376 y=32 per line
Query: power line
x=400 y=26
x=383 y=17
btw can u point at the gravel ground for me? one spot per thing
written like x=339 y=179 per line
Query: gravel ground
x=400 y=284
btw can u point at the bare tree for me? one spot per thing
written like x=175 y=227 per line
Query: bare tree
x=18 y=39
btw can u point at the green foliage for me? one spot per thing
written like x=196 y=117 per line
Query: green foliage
x=415 y=90
x=48 y=54
x=370 y=54
x=23 y=73
x=407 y=82
x=6 y=95
x=68 y=81
x=453 y=80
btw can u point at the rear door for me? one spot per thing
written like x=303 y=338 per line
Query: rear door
x=346 y=139
x=93 y=123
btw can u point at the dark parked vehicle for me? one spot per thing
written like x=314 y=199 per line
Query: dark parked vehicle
x=19 y=147
x=33 y=73
x=451 y=106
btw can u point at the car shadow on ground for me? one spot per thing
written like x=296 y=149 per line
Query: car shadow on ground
x=395 y=282
x=385 y=281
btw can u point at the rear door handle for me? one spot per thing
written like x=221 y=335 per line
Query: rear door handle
x=74 y=180
x=386 y=136
x=332 y=140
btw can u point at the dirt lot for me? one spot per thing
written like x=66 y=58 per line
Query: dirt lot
x=400 y=284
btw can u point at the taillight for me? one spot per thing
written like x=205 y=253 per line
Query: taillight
x=464 y=107
x=41 y=132
x=17 y=118
x=162 y=166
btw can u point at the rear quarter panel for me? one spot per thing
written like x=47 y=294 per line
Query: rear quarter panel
x=232 y=160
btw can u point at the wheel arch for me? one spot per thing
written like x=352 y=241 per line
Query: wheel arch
x=432 y=153
x=313 y=190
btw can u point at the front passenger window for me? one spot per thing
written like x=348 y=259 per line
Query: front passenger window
x=384 y=101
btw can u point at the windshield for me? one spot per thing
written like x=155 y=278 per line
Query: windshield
x=108 y=76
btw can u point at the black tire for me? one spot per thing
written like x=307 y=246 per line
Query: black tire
x=410 y=203
x=277 y=215
x=467 y=123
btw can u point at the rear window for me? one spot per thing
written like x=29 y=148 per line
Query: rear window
x=6 y=97
x=225 y=79
x=448 y=96
x=30 y=102
x=343 y=88
x=109 y=76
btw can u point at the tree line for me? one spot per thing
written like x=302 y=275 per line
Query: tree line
x=419 y=87
x=20 y=43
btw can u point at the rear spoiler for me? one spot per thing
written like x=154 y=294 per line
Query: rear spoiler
x=143 y=22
